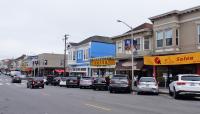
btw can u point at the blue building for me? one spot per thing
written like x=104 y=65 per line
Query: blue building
x=94 y=56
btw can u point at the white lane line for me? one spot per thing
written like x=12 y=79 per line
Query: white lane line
x=98 y=107
x=8 y=83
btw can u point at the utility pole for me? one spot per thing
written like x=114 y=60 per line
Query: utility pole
x=66 y=38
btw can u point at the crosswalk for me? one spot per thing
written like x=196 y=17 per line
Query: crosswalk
x=6 y=81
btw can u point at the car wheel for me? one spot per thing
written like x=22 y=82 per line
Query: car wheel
x=94 y=88
x=42 y=86
x=27 y=86
x=175 y=94
x=31 y=87
x=138 y=93
x=170 y=92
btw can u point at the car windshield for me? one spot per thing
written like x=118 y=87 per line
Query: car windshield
x=147 y=80
x=190 y=78
x=39 y=78
x=119 y=77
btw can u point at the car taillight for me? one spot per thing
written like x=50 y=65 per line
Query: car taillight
x=33 y=82
x=181 y=83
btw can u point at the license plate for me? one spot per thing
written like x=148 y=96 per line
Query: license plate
x=71 y=81
x=192 y=84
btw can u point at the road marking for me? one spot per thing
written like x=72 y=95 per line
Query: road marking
x=1 y=84
x=45 y=94
x=8 y=83
x=98 y=107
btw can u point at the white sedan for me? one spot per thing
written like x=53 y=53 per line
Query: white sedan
x=185 y=84
x=147 y=85
x=63 y=81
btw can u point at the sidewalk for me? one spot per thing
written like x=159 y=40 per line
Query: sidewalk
x=163 y=90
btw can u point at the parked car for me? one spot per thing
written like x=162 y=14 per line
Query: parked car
x=72 y=81
x=35 y=82
x=185 y=84
x=49 y=79
x=56 y=81
x=63 y=81
x=120 y=82
x=16 y=79
x=101 y=83
x=85 y=82
x=147 y=85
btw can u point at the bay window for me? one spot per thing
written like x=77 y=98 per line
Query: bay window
x=168 y=37
x=159 y=39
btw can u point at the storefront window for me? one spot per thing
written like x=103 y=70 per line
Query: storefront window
x=159 y=39
x=168 y=37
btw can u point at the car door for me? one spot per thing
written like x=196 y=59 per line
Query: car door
x=172 y=84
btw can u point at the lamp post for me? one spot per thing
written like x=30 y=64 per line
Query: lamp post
x=132 y=53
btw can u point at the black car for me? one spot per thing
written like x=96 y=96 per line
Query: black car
x=72 y=81
x=56 y=81
x=121 y=83
x=35 y=82
x=49 y=79
x=16 y=79
x=101 y=83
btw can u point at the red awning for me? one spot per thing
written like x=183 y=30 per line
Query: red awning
x=59 y=70
x=28 y=69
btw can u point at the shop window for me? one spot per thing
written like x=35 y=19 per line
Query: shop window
x=159 y=39
x=146 y=43
x=168 y=37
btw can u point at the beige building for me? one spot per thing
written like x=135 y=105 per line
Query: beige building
x=50 y=63
x=143 y=37
x=176 y=33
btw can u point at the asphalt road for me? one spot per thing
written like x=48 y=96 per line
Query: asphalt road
x=17 y=99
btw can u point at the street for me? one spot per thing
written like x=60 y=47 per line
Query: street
x=17 y=99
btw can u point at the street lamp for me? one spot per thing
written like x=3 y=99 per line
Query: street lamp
x=132 y=53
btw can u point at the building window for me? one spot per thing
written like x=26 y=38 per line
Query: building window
x=86 y=55
x=119 y=47
x=168 y=37
x=74 y=55
x=177 y=37
x=138 y=43
x=146 y=43
x=199 y=33
x=159 y=39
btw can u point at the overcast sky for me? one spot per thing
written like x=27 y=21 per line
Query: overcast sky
x=38 y=26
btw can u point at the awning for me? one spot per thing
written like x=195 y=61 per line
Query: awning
x=59 y=70
x=27 y=69
x=127 y=65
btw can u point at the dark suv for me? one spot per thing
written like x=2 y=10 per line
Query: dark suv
x=35 y=82
x=101 y=83
x=16 y=79
x=72 y=81
x=120 y=82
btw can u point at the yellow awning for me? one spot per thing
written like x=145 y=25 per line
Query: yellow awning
x=189 y=58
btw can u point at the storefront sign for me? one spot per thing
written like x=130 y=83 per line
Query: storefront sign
x=102 y=62
x=190 y=58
